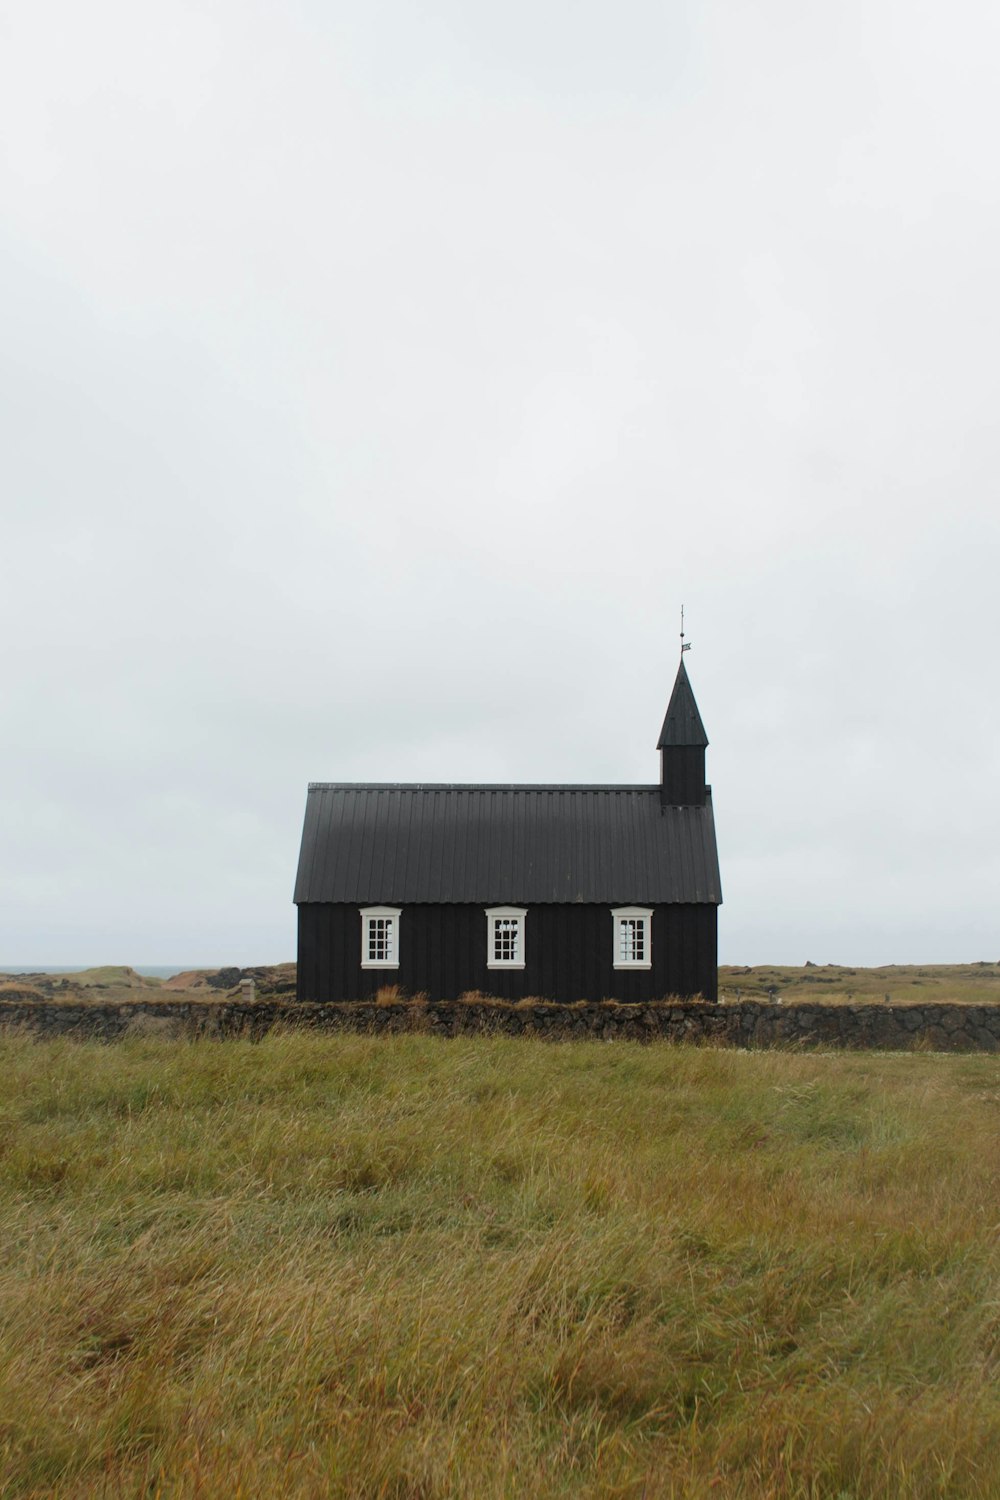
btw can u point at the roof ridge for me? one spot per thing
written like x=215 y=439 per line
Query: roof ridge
x=482 y=786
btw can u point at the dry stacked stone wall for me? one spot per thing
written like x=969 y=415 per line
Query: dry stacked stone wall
x=744 y=1023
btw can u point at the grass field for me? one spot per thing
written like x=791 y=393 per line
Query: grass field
x=836 y=984
x=356 y=1266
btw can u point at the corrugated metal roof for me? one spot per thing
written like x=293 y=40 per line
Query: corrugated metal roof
x=682 y=724
x=386 y=842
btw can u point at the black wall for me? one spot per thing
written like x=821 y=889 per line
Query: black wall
x=682 y=775
x=568 y=951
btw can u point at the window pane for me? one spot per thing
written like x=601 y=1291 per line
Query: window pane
x=632 y=940
x=380 y=939
x=506 y=940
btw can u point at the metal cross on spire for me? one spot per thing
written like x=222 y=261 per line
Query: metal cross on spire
x=685 y=645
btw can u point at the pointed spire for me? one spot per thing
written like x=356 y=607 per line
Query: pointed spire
x=682 y=725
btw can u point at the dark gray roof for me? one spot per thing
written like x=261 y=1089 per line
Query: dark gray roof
x=682 y=725
x=383 y=842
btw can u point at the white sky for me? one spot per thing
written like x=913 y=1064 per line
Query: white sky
x=376 y=381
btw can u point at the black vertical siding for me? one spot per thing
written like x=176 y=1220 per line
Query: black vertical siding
x=568 y=954
x=682 y=775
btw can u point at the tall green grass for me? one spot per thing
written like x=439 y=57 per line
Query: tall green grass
x=398 y=1267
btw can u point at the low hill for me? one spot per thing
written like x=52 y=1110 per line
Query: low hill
x=106 y=978
x=828 y=984
x=116 y=983
x=837 y=984
x=269 y=979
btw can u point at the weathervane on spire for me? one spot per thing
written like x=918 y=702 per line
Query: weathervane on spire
x=685 y=645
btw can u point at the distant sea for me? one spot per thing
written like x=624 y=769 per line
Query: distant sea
x=152 y=971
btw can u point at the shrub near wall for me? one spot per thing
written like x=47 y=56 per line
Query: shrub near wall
x=747 y=1023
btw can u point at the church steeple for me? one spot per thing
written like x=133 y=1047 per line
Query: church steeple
x=682 y=745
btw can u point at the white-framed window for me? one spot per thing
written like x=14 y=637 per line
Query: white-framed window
x=505 y=937
x=380 y=937
x=633 y=943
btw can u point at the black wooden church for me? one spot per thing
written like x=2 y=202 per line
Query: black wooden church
x=564 y=892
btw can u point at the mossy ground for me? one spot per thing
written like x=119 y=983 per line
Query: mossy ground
x=395 y=1266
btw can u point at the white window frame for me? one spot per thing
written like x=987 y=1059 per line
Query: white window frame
x=495 y=914
x=368 y=915
x=643 y=914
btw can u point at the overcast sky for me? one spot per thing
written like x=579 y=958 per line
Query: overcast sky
x=378 y=379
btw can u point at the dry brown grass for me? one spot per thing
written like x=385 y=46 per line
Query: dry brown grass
x=394 y=1266
x=11 y=989
x=394 y=994
x=390 y=994
x=837 y=984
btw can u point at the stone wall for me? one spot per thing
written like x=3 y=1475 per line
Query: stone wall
x=745 y=1023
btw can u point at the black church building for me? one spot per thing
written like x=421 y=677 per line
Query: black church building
x=562 y=892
